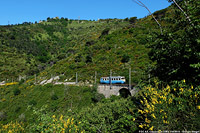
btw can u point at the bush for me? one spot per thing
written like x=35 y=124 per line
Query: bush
x=175 y=107
x=54 y=97
x=110 y=116
x=21 y=81
x=32 y=102
x=12 y=127
x=47 y=122
x=97 y=97
x=22 y=118
x=49 y=85
x=16 y=91
x=3 y=116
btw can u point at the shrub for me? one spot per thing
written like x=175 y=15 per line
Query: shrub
x=21 y=81
x=46 y=122
x=174 y=107
x=97 y=97
x=54 y=97
x=32 y=102
x=3 y=116
x=22 y=118
x=12 y=127
x=49 y=85
x=16 y=91
x=109 y=116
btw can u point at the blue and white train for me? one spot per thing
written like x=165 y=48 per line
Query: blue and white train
x=113 y=80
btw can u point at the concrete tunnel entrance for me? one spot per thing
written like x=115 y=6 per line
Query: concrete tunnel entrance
x=124 y=92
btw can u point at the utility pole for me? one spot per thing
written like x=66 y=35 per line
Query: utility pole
x=76 y=78
x=35 y=79
x=78 y=19
x=95 y=80
x=110 y=79
x=130 y=78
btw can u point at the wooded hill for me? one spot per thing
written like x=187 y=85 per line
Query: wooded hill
x=63 y=46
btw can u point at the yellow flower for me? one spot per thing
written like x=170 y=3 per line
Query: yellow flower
x=164 y=98
x=68 y=121
x=151 y=129
x=170 y=101
x=184 y=81
x=147 y=121
x=166 y=122
x=61 y=117
x=195 y=95
x=198 y=107
x=153 y=116
x=133 y=119
x=154 y=100
x=53 y=116
x=192 y=87
x=168 y=87
x=141 y=126
x=140 y=111
x=146 y=111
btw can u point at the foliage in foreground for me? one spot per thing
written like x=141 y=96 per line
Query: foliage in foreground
x=111 y=115
x=177 y=51
x=14 y=100
x=50 y=123
x=174 y=107
x=12 y=127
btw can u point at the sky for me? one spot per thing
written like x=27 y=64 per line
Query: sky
x=19 y=11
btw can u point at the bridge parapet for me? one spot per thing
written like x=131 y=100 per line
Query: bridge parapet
x=108 y=90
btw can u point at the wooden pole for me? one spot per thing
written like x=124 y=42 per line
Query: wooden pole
x=35 y=79
x=110 y=79
x=95 y=80
x=76 y=78
x=130 y=78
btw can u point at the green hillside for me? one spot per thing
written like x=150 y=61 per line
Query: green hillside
x=63 y=47
x=165 y=67
x=49 y=41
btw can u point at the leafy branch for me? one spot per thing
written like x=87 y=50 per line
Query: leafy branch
x=143 y=5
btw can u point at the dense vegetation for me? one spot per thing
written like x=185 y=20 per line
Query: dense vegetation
x=165 y=67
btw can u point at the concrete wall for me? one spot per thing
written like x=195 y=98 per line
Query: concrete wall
x=114 y=90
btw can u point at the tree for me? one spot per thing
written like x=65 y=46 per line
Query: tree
x=132 y=20
x=177 y=53
x=143 y=5
x=105 y=32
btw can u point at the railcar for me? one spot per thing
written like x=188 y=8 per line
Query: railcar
x=113 y=80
